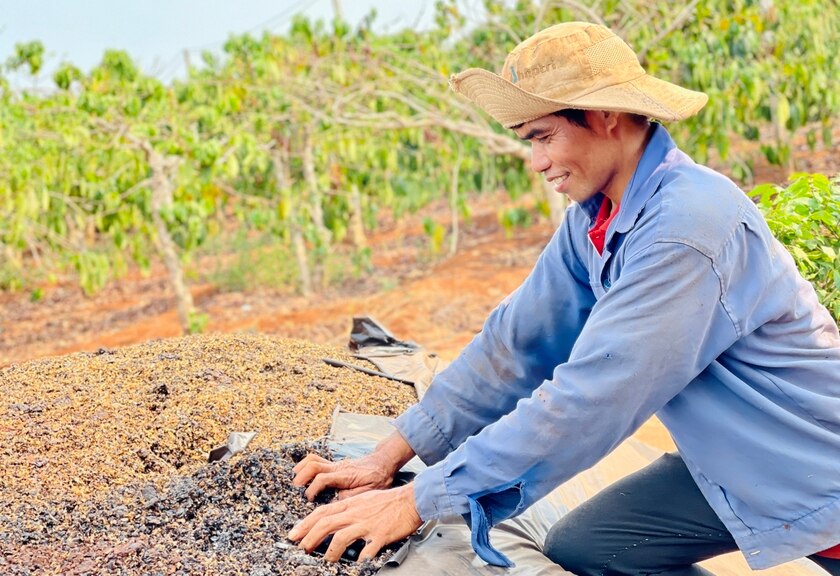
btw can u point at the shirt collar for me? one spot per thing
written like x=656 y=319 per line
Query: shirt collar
x=642 y=185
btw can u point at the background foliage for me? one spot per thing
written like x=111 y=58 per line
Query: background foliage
x=804 y=217
x=308 y=137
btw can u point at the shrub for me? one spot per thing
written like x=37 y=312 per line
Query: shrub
x=804 y=216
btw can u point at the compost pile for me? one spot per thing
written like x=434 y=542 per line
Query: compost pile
x=104 y=456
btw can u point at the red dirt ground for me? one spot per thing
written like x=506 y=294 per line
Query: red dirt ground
x=440 y=304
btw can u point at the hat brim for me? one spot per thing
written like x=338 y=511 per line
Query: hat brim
x=511 y=106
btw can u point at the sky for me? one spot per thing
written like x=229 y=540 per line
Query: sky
x=156 y=32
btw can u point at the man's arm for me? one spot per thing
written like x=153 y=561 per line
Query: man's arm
x=524 y=338
x=522 y=341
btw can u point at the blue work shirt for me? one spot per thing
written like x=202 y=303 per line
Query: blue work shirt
x=693 y=312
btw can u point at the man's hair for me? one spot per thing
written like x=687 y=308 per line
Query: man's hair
x=578 y=117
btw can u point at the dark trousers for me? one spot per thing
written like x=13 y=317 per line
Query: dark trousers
x=655 y=521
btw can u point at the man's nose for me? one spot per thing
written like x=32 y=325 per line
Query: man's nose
x=539 y=159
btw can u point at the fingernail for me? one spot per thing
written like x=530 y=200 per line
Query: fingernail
x=292 y=535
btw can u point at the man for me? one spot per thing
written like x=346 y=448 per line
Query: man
x=663 y=292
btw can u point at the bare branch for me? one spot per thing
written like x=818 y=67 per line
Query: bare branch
x=590 y=14
x=681 y=19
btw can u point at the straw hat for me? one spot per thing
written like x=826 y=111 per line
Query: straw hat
x=574 y=65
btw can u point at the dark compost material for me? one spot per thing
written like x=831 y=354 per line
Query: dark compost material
x=229 y=517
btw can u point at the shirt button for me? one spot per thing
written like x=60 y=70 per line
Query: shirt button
x=606 y=284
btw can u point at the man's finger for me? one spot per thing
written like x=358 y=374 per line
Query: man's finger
x=323 y=528
x=306 y=460
x=309 y=471
x=303 y=527
x=371 y=549
x=341 y=540
x=325 y=480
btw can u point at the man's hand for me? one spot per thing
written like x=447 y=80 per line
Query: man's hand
x=350 y=477
x=378 y=517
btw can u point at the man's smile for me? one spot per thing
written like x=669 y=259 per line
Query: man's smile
x=559 y=181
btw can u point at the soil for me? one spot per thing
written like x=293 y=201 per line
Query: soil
x=437 y=301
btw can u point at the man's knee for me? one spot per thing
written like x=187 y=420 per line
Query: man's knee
x=585 y=550
x=567 y=548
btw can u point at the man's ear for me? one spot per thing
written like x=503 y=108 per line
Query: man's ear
x=610 y=120
x=602 y=121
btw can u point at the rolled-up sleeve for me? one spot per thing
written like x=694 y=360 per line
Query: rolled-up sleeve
x=522 y=341
x=661 y=324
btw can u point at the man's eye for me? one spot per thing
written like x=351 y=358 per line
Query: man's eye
x=543 y=139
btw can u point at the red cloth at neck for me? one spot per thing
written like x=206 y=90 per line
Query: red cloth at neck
x=598 y=232
x=831 y=553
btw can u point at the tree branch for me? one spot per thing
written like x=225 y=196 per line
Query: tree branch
x=681 y=19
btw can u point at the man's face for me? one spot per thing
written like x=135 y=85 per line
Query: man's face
x=576 y=161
